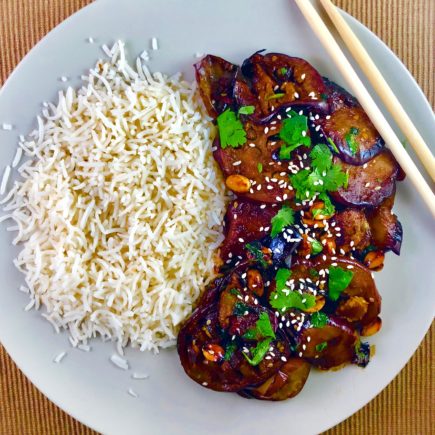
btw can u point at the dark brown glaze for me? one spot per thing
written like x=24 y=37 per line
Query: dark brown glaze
x=261 y=148
x=341 y=123
x=340 y=339
x=370 y=183
x=386 y=229
x=354 y=229
x=338 y=97
x=244 y=221
x=287 y=382
x=274 y=74
x=215 y=77
x=202 y=332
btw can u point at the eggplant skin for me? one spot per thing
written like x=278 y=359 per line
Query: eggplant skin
x=369 y=184
x=386 y=229
x=215 y=77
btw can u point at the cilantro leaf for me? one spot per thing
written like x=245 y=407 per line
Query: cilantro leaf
x=321 y=346
x=319 y=320
x=335 y=178
x=332 y=143
x=282 y=219
x=294 y=133
x=260 y=167
x=255 y=249
x=246 y=110
x=231 y=131
x=276 y=96
x=321 y=157
x=281 y=278
x=316 y=247
x=302 y=185
x=313 y=273
x=339 y=279
x=351 y=140
x=259 y=352
x=282 y=301
x=235 y=292
x=283 y=70
x=263 y=329
x=229 y=351
x=328 y=207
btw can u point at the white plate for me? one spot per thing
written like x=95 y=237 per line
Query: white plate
x=87 y=385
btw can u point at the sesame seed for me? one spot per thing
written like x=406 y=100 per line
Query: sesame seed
x=239 y=162
x=241 y=240
x=367 y=184
x=303 y=76
x=365 y=165
x=296 y=95
x=269 y=187
x=204 y=384
x=378 y=188
x=266 y=130
x=263 y=206
x=350 y=266
x=283 y=358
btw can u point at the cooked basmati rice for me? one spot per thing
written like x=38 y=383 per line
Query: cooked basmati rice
x=120 y=207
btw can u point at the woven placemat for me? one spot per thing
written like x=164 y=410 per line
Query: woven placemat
x=406 y=405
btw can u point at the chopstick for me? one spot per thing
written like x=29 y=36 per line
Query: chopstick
x=367 y=102
x=382 y=88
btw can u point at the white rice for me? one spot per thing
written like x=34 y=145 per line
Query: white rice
x=139 y=376
x=119 y=210
x=59 y=357
x=119 y=362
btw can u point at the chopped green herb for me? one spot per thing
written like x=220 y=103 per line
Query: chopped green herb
x=322 y=346
x=313 y=273
x=229 y=351
x=263 y=329
x=255 y=249
x=338 y=281
x=276 y=96
x=280 y=300
x=324 y=177
x=328 y=208
x=260 y=167
x=321 y=157
x=231 y=131
x=324 y=96
x=282 y=219
x=235 y=292
x=316 y=247
x=332 y=143
x=246 y=110
x=240 y=309
x=351 y=140
x=259 y=352
x=283 y=70
x=294 y=133
x=319 y=320
x=281 y=278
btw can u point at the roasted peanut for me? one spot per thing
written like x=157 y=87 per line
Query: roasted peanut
x=320 y=302
x=374 y=260
x=319 y=205
x=255 y=282
x=329 y=246
x=371 y=328
x=238 y=183
x=213 y=352
x=304 y=247
x=353 y=309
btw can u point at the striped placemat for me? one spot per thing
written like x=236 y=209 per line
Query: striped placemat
x=406 y=405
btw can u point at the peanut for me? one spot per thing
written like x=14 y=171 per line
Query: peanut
x=213 y=352
x=238 y=183
x=374 y=260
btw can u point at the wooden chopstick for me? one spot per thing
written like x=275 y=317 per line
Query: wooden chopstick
x=382 y=88
x=367 y=102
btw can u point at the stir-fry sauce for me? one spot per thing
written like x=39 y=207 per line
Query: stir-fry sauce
x=311 y=220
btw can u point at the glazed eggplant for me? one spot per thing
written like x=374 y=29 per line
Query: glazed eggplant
x=253 y=171
x=293 y=291
x=370 y=183
x=354 y=135
x=330 y=346
x=286 y=383
x=215 y=77
x=386 y=229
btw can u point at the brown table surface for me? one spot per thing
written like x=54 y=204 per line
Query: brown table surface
x=406 y=406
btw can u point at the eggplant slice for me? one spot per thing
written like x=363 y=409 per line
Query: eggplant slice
x=215 y=77
x=287 y=382
x=354 y=229
x=387 y=232
x=369 y=184
x=354 y=135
